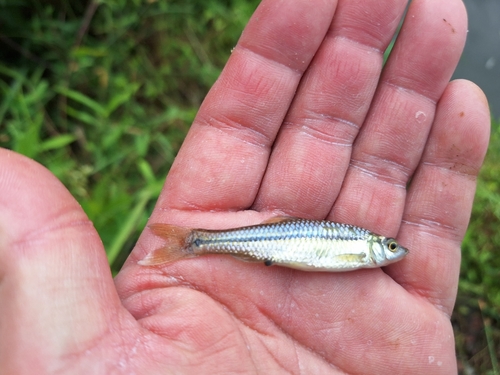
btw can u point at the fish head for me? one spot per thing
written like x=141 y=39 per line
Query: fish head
x=386 y=250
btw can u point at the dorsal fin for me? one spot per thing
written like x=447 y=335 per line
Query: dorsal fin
x=279 y=219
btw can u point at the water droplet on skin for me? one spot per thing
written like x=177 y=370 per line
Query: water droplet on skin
x=261 y=292
x=431 y=359
x=420 y=116
x=439 y=363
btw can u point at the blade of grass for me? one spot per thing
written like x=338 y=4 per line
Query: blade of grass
x=14 y=89
x=129 y=226
x=82 y=99
x=82 y=116
x=57 y=142
x=489 y=339
x=122 y=98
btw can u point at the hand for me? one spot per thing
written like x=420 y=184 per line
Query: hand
x=300 y=123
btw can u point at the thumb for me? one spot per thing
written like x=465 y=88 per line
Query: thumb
x=56 y=291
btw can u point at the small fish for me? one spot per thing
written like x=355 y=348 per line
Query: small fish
x=308 y=245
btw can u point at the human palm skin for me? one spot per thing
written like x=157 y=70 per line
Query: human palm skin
x=304 y=121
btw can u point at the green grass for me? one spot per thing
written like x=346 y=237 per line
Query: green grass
x=103 y=95
x=477 y=313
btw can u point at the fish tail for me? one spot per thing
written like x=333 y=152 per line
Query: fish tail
x=175 y=248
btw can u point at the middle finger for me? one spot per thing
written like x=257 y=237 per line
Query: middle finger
x=312 y=152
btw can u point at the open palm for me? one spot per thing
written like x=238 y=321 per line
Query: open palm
x=305 y=121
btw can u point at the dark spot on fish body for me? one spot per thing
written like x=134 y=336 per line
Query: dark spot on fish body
x=268 y=263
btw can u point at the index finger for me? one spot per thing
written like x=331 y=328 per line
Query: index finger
x=224 y=156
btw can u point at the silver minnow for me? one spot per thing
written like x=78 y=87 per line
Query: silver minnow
x=308 y=245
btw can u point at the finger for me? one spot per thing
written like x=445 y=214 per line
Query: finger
x=222 y=160
x=440 y=198
x=312 y=152
x=391 y=142
x=55 y=280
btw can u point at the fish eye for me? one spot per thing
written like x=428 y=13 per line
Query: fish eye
x=392 y=245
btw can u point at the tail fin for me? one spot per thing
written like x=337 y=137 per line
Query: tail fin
x=174 y=249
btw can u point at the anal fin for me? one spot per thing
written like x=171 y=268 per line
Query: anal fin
x=246 y=258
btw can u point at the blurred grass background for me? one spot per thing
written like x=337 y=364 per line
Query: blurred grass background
x=103 y=93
